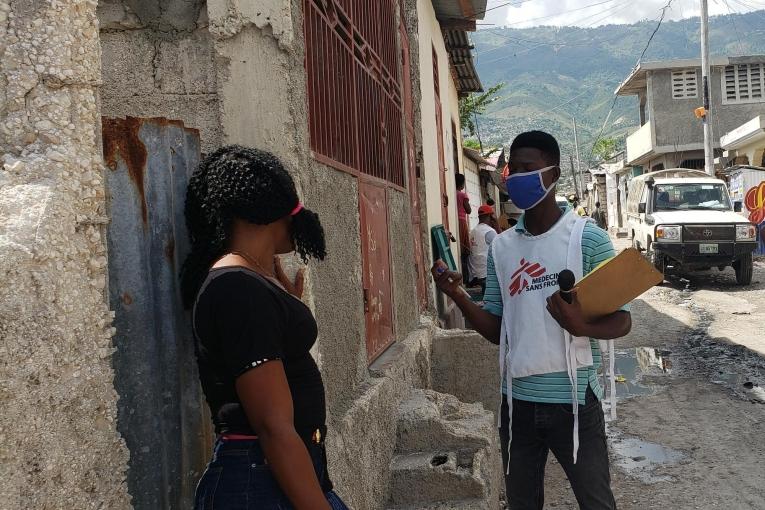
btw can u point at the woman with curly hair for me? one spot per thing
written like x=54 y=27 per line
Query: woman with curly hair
x=253 y=335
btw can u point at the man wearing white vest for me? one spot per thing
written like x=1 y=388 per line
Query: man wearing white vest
x=480 y=241
x=548 y=359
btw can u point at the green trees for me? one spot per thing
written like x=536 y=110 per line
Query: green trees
x=475 y=104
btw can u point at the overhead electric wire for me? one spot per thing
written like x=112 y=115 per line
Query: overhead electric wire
x=610 y=11
x=560 y=13
x=537 y=44
x=614 y=10
x=488 y=9
x=560 y=105
x=616 y=96
x=735 y=28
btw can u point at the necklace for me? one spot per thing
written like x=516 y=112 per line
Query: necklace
x=253 y=261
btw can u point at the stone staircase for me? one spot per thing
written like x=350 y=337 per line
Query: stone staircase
x=447 y=455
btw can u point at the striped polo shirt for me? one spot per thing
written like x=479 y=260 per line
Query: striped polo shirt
x=555 y=388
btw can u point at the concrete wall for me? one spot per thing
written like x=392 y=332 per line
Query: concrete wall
x=59 y=447
x=673 y=159
x=262 y=94
x=676 y=124
x=466 y=365
x=160 y=63
x=429 y=37
x=234 y=70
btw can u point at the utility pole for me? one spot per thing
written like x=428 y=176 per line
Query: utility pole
x=573 y=175
x=709 y=159
x=578 y=162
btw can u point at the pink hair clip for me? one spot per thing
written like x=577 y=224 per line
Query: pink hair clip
x=297 y=209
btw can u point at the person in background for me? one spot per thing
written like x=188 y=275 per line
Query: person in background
x=503 y=222
x=599 y=216
x=480 y=240
x=578 y=209
x=550 y=399
x=463 y=211
x=498 y=221
x=253 y=335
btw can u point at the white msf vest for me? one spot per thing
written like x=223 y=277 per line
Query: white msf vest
x=479 y=250
x=531 y=341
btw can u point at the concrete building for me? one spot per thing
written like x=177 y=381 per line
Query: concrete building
x=596 y=188
x=743 y=165
x=745 y=145
x=479 y=184
x=618 y=176
x=669 y=91
x=444 y=49
x=107 y=108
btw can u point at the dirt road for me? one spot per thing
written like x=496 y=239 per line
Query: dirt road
x=690 y=431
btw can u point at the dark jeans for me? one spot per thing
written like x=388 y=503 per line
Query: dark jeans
x=238 y=478
x=540 y=428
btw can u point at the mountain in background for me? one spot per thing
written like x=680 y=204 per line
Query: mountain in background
x=554 y=73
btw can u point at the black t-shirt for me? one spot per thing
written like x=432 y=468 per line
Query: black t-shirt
x=241 y=319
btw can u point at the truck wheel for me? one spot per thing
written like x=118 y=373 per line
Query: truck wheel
x=743 y=267
x=657 y=259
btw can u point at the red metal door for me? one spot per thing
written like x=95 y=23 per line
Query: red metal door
x=375 y=252
x=414 y=189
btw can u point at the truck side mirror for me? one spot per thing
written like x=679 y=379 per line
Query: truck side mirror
x=737 y=206
x=641 y=208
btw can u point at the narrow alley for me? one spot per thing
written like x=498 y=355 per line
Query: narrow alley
x=328 y=243
x=690 y=415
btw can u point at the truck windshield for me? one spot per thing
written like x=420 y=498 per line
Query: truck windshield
x=670 y=197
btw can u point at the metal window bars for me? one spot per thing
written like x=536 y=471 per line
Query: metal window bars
x=354 y=87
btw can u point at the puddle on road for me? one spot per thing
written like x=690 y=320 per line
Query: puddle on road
x=637 y=370
x=632 y=365
x=741 y=384
x=641 y=459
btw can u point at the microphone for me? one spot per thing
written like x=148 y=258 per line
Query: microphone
x=566 y=282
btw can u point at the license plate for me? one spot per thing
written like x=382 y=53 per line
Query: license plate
x=707 y=248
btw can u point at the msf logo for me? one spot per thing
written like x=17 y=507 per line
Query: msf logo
x=524 y=276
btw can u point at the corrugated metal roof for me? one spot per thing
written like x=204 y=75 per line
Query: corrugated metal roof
x=460 y=50
x=476 y=157
x=460 y=9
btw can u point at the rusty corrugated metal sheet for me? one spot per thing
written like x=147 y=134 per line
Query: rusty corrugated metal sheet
x=161 y=410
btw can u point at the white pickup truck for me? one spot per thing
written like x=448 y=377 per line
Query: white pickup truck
x=684 y=219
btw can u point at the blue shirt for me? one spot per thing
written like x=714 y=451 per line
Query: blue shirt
x=555 y=387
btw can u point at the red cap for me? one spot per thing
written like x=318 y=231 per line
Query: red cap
x=485 y=209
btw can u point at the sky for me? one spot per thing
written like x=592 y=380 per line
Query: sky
x=590 y=13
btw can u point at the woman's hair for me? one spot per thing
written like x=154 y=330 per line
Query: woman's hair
x=249 y=184
x=459 y=180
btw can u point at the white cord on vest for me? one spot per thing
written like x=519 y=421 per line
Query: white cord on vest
x=612 y=378
x=573 y=377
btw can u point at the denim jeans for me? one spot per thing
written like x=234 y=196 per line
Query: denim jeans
x=238 y=478
x=541 y=428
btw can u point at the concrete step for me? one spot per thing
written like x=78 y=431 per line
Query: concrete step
x=436 y=477
x=463 y=504
x=429 y=420
x=447 y=455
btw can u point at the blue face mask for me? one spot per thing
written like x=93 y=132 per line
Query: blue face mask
x=527 y=189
